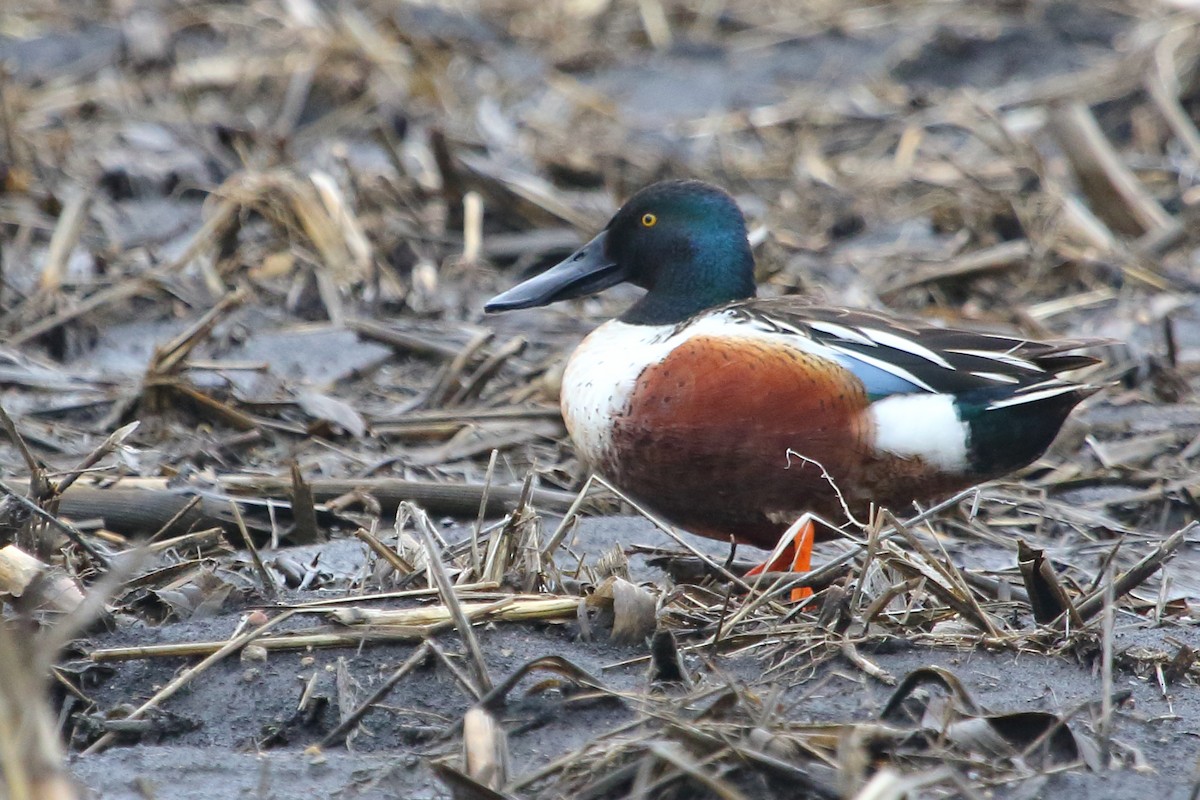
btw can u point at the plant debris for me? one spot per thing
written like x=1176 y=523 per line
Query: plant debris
x=276 y=495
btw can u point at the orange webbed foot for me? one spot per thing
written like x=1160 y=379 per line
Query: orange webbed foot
x=793 y=555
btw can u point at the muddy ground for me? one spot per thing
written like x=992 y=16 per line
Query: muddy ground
x=219 y=753
x=211 y=742
x=252 y=229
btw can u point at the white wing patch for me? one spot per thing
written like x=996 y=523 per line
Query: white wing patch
x=924 y=426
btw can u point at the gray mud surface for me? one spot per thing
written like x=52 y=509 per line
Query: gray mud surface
x=300 y=171
x=218 y=727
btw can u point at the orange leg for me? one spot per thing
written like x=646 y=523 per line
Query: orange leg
x=795 y=555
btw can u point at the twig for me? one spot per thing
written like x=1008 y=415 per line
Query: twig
x=402 y=340
x=1162 y=84
x=433 y=621
x=114 y=440
x=39 y=486
x=478 y=379
x=448 y=379
x=446 y=588
x=1113 y=189
x=264 y=575
x=170 y=356
x=1005 y=255
x=1131 y=579
x=1106 y=668
x=564 y=524
x=144 y=504
x=72 y=533
x=63 y=240
x=851 y=654
x=352 y=719
x=828 y=478
x=113 y=294
x=679 y=540
x=461 y=679
x=476 y=561
x=873 y=531
x=483 y=586
x=398 y=562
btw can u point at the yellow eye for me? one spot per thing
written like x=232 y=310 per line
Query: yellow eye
x=649 y=220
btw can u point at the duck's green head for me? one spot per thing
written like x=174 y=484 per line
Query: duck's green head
x=682 y=241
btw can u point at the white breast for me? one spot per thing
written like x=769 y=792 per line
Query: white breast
x=600 y=377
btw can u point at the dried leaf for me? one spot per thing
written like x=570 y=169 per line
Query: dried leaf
x=329 y=409
x=1039 y=736
x=633 y=609
x=1047 y=598
x=485 y=748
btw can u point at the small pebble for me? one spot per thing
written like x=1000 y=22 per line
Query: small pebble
x=254 y=653
x=315 y=755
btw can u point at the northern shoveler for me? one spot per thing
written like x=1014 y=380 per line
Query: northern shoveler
x=733 y=416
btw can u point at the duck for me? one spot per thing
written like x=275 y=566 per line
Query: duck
x=748 y=419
